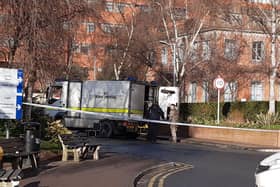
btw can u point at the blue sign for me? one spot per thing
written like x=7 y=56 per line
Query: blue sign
x=11 y=87
x=19 y=94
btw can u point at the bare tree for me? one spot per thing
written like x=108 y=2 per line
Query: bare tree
x=266 y=20
x=36 y=37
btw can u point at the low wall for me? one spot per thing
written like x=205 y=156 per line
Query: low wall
x=267 y=138
x=182 y=131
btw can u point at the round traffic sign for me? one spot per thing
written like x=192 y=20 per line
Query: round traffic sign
x=219 y=83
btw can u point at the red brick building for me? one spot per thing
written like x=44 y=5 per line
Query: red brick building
x=231 y=42
x=234 y=37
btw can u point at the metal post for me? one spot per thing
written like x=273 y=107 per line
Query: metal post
x=218 y=108
x=7 y=130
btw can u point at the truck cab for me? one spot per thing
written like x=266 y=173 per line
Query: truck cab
x=57 y=97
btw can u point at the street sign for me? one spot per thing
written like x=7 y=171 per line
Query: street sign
x=219 y=83
x=11 y=86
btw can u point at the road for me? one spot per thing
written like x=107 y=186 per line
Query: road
x=200 y=166
x=212 y=167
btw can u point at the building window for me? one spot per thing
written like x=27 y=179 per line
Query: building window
x=106 y=27
x=206 y=52
x=90 y=27
x=230 y=91
x=76 y=48
x=232 y=18
x=115 y=7
x=84 y=49
x=164 y=55
x=150 y=57
x=194 y=51
x=260 y=1
x=110 y=28
x=66 y=25
x=192 y=92
x=144 y=8
x=111 y=51
x=92 y=1
x=205 y=92
x=180 y=13
x=258 y=51
x=230 y=49
x=181 y=51
x=99 y=69
x=256 y=91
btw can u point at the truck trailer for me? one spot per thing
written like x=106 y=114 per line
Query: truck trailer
x=119 y=100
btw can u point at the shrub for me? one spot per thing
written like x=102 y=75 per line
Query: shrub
x=15 y=128
x=55 y=128
x=50 y=145
x=205 y=111
x=267 y=119
x=238 y=112
x=236 y=116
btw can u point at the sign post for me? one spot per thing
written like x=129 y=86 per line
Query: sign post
x=11 y=87
x=218 y=84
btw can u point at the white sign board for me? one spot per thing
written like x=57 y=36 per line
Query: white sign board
x=11 y=84
x=168 y=96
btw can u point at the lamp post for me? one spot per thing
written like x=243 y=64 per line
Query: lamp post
x=173 y=47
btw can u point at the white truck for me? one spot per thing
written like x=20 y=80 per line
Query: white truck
x=119 y=100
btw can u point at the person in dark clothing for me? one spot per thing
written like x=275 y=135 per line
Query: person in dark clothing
x=154 y=113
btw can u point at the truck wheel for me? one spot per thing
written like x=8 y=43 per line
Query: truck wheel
x=106 y=130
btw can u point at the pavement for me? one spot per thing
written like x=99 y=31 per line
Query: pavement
x=223 y=144
x=229 y=145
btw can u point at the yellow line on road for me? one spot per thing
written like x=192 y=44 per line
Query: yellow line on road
x=173 y=170
x=162 y=179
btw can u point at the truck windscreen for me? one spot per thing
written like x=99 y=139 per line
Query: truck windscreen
x=54 y=94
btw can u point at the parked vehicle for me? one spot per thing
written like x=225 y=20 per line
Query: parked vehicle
x=268 y=171
x=120 y=100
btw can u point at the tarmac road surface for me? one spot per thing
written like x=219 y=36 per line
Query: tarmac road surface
x=113 y=170
x=122 y=160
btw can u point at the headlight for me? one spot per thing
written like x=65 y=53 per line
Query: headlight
x=261 y=168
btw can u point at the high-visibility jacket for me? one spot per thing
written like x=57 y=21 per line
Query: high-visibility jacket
x=1 y=153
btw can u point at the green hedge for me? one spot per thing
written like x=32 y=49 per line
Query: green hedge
x=234 y=110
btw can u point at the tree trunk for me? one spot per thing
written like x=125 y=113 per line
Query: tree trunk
x=273 y=64
x=28 y=96
x=69 y=57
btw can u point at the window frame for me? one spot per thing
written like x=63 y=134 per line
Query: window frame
x=110 y=28
x=164 y=55
x=192 y=93
x=258 y=51
x=206 y=50
x=194 y=51
x=256 y=87
x=230 y=91
x=115 y=7
x=230 y=51
x=205 y=91
x=151 y=57
x=85 y=48
x=88 y=29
